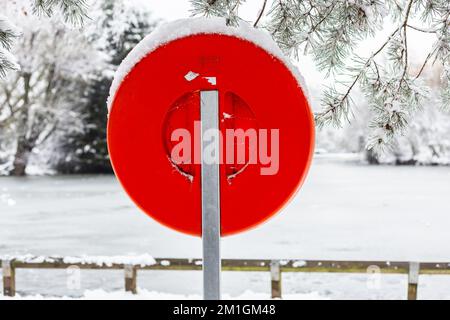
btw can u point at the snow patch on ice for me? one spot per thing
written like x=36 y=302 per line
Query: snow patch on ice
x=6 y=199
x=174 y=30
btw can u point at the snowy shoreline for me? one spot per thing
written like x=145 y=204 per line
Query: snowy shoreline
x=350 y=158
x=143 y=294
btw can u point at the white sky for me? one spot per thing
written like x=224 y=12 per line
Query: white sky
x=170 y=9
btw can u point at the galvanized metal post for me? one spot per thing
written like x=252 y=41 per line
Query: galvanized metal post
x=209 y=111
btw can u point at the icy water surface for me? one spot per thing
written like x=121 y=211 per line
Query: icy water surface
x=345 y=211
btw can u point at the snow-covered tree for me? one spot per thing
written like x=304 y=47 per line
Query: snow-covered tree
x=428 y=139
x=72 y=11
x=332 y=30
x=115 y=27
x=42 y=97
x=426 y=142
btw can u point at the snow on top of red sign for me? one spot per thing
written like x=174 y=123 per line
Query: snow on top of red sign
x=185 y=27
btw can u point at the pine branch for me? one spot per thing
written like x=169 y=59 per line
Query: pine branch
x=330 y=30
x=73 y=11
x=421 y=29
x=219 y=8
x=405 y=43
x=261 y=13
x=7 y=63
x=332 y=113
x=8 y=33
x=400 y=92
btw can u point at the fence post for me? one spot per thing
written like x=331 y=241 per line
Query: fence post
x=130 y=278
x=275 y=276
x=9 y=279
x=413 y=280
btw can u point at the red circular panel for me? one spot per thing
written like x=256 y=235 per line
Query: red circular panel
x=162 y=93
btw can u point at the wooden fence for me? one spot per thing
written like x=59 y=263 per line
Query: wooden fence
x=275 y=267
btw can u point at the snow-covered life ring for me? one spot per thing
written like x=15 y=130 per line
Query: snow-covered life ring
x=157 y=90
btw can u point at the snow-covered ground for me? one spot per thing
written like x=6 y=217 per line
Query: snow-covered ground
x=345 y=211
x=100 y=294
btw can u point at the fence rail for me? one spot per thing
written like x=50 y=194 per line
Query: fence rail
x=275 y=267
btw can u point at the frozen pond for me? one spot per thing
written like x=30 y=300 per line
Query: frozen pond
x=345 y=211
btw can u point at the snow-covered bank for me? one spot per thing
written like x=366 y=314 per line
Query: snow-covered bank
x=320 y=155
x=107 y=261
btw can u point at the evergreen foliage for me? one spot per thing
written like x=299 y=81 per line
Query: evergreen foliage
x=53 y=110
x=331 y=30
x=72 y=11
x=117 y=30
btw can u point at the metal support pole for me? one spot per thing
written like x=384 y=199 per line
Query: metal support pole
x=209 y=111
